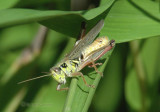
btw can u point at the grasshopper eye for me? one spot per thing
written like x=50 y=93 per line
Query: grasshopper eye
x=100 y=41
x=57 y=70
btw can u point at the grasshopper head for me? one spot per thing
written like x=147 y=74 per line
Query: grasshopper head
x=58 y=75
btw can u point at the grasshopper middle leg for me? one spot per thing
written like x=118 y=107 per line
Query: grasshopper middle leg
x=94 y=66
x=85 y=82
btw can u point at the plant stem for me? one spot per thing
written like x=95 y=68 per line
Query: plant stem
x=16 y=101
x=27 y=55
x=134 y=46
x=70 y=97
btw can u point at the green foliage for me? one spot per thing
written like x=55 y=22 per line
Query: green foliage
x=4 y=4
x=131 y=69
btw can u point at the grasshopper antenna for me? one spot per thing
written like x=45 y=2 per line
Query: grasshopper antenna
x=45 y=72
x=33 y=78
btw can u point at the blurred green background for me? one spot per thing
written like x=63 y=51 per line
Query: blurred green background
x=131 y=81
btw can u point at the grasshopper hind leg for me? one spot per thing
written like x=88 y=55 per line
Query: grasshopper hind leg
x=61 y=89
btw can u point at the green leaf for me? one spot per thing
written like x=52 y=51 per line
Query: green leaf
x=150 y=58
x=11 y=44
x=47 y=99
x=130 y=20
x=9 y=36
x=4 y=4
x=132 y=91
x=38 y=94
x=53 y=19
x=126 y=21
x=109 y=92
x=11 y=40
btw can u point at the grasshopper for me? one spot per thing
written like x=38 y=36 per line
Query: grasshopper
x=85 y=52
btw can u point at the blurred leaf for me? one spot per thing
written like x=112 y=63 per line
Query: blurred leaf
x=24 y=3
x=132 y=91
x=12 y=41
x=4 y=4
x=149 y=54
x=47 y=99
x=44 y=4
x=17 y=36
x=38 y=88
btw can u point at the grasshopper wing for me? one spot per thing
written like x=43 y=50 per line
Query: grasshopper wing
x=85 y=41
x=95 y=55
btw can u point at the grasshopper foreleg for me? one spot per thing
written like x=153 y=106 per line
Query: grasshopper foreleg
x=61 y=89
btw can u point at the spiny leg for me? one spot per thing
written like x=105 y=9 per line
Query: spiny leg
x=80 y=74
x=96 y=69
x=90 y=66
x=61 y=89
x=81 y=33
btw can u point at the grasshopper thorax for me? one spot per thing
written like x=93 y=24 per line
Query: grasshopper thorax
x=58 y=75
